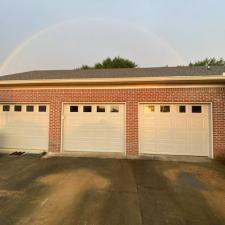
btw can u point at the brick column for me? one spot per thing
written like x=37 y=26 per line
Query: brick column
x=132 y=128
x=55 y=127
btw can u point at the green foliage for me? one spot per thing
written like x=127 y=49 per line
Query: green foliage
x=209 y=62
x=85 y=67
x=98 y=66
x=116 y=62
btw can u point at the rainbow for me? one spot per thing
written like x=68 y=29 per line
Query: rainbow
x=21 y=46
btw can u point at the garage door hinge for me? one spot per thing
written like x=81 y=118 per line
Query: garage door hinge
x=63 y=117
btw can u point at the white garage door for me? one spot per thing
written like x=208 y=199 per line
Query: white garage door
x=177 y=129
x=93 y=127
x=24 y=126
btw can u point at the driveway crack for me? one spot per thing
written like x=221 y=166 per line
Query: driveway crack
x=138 y=196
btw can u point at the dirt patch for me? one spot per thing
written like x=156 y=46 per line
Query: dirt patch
x=11 y=194
x=190 y=180
x=80 y=191
x=66 y=190
x=208 y=176
x=208 y=181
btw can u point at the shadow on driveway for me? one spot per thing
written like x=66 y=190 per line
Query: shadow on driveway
x=84 y=191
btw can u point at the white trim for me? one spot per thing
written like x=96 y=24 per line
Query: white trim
x=210 y=104
x=125 y=129
x=61 y=130
x=116 y=80
x=211 y=130
x=124 y=153
x=139 y=130
x=134 y=86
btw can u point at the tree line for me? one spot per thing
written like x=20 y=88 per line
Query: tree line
x=119 y=62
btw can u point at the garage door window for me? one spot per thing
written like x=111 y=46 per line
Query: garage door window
x=29 y=108
x=87 y=109
x=100 y=108
x=6 y=108
x=149 y=108
x=42 y=108
x=182 y=109
x=165 y=108
x=114 y=109
x=196 y=109
x=73 y=108
x=17 y=108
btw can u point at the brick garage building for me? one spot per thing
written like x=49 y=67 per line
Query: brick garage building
x=129 y=112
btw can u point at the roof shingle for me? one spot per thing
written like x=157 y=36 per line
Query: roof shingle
x=116 y=73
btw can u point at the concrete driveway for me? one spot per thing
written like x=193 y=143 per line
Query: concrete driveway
x=84 y=191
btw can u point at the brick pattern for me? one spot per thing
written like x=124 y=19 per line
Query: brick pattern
x=55 y=97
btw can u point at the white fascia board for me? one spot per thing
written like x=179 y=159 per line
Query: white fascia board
x=116 y=80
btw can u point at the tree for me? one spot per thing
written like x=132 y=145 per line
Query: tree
x=209 y=62
x=85 y=67
x=116 y=62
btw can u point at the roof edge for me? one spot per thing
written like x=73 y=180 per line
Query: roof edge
x=215 y=78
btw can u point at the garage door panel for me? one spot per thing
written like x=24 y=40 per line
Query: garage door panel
x=22 y=144
x=88 y=131
x=164 y=122
x=179 y=137
x=93 y=145
x=197 y=123
x=88 y=121
x=94 y=131
x=181 y=146
x=180 y=132
x=164 y=134
x=150 y=146
x=26 y=131
x=151 y=136
x=151 y=121
x=22 y=135
x=100 y=125
x=22 y=129
x=180 y=123
x=89 y=136
x=175 y=132
x=164 y=147
x=197 y=136
x=200 y=149
x=92 y=141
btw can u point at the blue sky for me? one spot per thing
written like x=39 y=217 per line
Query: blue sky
x=188 y=30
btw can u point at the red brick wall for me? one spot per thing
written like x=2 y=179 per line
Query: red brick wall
x=131 y=96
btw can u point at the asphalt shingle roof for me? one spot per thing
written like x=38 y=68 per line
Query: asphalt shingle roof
x=116 y=73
